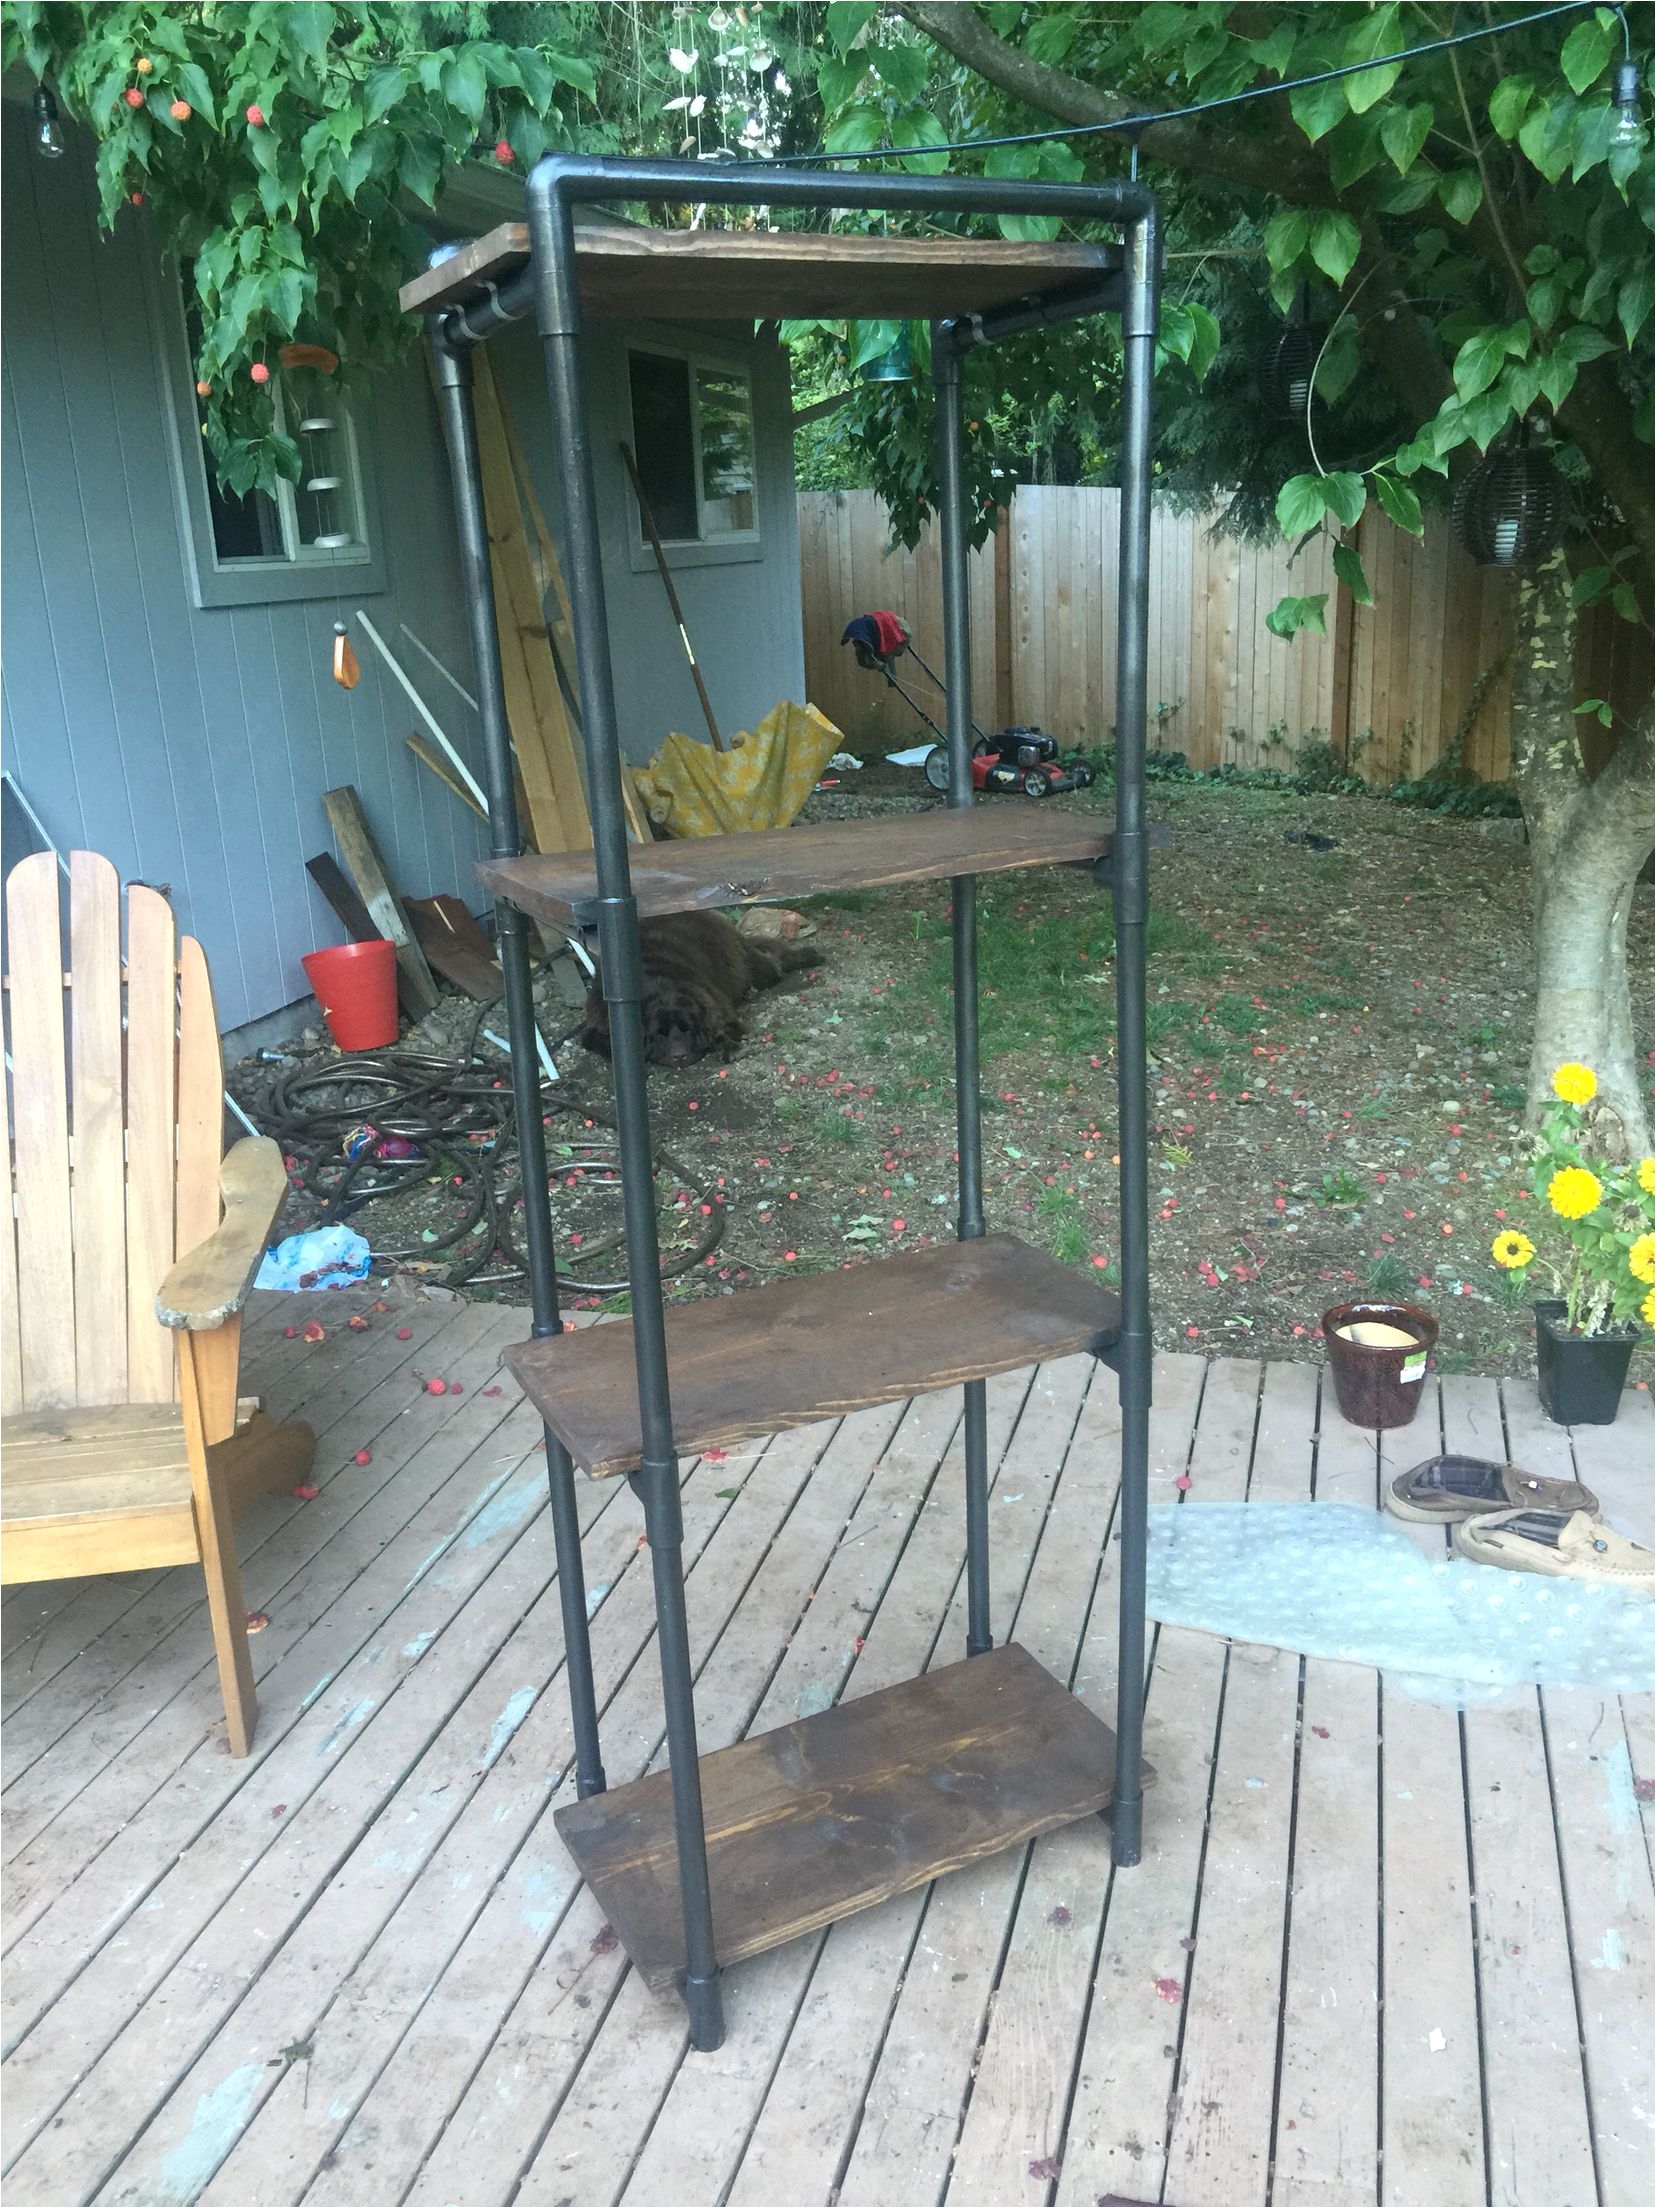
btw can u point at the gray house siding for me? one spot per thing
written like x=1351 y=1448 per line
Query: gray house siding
x=192 y=745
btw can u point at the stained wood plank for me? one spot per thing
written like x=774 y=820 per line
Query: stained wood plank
x=40 y=1133
x=758 y=275
x=367 y=869
x=456 y=946
x=748 y=1365
x=706 y=873
x=98 y=1123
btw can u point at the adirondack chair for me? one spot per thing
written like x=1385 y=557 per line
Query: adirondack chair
x=130 y=1252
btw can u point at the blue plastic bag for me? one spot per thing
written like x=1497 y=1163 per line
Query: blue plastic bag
x=326 y=1257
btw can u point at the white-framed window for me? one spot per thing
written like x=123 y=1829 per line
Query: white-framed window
x=308 y=539
x=694 y=442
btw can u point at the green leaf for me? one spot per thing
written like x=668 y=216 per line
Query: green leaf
x=420 y=168
x=1579 y=343
x=1318 y=107
x=846 y=18
x=1353 y=150
x=1349 y=569
x=1508 y=103
x=1592 y=584
x=573 y=70
x=190 y=82
x=1586 y=52
x=464 y=85
x=918 y=126
x=1335 y=241
x=1346 y=495
x=1403 y=131
x=1204 y=340
x=858 y=130
x=1398 y=503
x=1597 y=707
x=307 y=27
x=837 y=81
x=1272 y=51
x=1548 y=135
x=1300 y=504
x=1624 y=601
x=1633 y=302
x=1461 y=194
x=1340 y=360
x=1478 y=363
x=1591 y=142
x=1376 y=33
x=1404 y=195
x=1287 y=235
x=1543 y=300
x=534 y=74
x=1484 y=417
x=866 y=341
x=904 y=69
x=1289 y=615
x=1051 y=36
x=1558 y=375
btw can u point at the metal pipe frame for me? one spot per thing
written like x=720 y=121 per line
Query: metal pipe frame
x=454 y=387
x=557 y=185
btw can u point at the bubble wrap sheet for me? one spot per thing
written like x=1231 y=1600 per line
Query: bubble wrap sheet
x=1331 y=1579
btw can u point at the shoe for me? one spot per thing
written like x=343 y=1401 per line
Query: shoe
x=1445 y=1490
x=1558 y=1545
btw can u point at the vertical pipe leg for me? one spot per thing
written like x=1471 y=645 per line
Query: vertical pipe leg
x=454 y=384
x=615 y=915
x=957 y=676
x=1138 y=325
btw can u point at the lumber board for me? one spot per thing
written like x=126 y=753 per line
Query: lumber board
x=429 y=756
x=97 y=1121
x=456 y=946
x=712 y=873
x=747 y=1365
x=760 y=275
x=366 y=868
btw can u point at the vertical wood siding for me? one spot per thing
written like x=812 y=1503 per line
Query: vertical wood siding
x=1388 y=684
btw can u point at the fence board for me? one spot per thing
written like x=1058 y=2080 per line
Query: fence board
x=1389 y=684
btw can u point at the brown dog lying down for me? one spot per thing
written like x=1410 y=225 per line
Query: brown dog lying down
x=697 y=972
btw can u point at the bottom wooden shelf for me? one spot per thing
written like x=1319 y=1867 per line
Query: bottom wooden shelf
x=838 y=1811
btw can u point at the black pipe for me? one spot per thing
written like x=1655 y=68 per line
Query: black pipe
x=1133 y=1349
x=557 y=307
x=454 y=386
x=957 y=684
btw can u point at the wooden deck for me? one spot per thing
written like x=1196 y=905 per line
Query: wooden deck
x=1377 y=1950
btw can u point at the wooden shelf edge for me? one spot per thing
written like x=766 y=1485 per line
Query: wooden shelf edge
x=847 y=1808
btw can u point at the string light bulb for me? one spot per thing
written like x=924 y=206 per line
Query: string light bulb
x=48 y=131
x=1626 y=130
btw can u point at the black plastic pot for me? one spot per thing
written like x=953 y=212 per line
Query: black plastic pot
x=1374 y=1387
x=1580 y=1376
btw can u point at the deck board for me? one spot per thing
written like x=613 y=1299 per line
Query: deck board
x=381 y=1883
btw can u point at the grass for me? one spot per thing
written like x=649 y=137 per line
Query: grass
x=836 y=1127
x=1340 y=1187
x=1386 y=1276
x=1372 y=1108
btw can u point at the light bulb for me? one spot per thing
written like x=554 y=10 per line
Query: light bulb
x=48 y=134
x=1626 y=130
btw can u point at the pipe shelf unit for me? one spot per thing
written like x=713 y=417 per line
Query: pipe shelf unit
x=721 y=1857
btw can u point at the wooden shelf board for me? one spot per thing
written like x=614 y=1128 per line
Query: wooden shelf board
x=760 y=275
x=768 y=1358
x=702 y=873
x=839 y=1811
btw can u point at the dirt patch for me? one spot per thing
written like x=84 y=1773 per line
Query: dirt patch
x=1338 y=1041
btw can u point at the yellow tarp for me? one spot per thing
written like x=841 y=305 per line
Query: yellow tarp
x=760 y=782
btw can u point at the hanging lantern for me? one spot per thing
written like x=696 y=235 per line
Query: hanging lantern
x=1288 y=365
x=1510 y=511
x=895 y=365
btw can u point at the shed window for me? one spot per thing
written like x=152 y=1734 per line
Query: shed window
x=693 y=440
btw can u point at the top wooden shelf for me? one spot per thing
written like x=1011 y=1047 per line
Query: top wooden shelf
x=704 y=873
x=761 y=275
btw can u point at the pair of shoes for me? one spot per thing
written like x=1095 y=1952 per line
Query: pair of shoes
x=1558 y=1544
x=1445 y=1490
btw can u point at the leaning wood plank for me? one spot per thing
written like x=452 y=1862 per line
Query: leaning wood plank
x=200 y=1101
x=457 y=946
x=1432 y=2137
x=151 y=1060
x=1607 y=1886
x=367 y=869
x=1540 y=2139
x=705 y=873
x=98 y=1122
x=429 y=756
x=350 y=911
x=1220 y=2147
x=1327 y=2130
x=40 y=1131
x=784 y=1356
x=209 y=1284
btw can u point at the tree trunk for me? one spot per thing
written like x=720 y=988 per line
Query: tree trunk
x=1588 y=841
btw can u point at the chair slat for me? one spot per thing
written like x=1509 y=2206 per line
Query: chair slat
x=11 y=1348
x=200 y=1101
x=151 y=1050
x=45 y=1268
x=97 y=1117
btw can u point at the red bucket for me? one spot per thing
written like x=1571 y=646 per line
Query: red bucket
x=356 y=986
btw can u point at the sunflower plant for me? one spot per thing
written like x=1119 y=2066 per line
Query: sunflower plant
x=1602 y=1220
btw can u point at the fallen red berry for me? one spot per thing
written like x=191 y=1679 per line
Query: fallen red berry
x=436 y=1387
x=315 y=1331
x=256 y=1621
x=357 y=1323
x=405 y=1333
x=457 y=1387
x=306 y=1492
x=292 y=1332
x=362 y=1457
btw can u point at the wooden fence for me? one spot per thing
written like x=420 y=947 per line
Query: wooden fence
x=1388 y=685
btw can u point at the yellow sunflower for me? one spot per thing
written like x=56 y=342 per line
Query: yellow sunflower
x=1641 y=1259
x=1575 y=1084
x=1647 y=1175
x=1573 y=1192
x=1511 y=1249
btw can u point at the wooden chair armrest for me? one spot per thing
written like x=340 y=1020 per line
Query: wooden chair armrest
x=210 y=1283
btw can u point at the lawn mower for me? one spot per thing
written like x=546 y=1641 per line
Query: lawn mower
x=1023 y=759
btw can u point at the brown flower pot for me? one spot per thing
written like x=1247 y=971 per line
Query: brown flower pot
x=1580 y=1376
x=1379 y=1386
